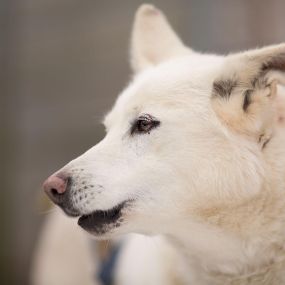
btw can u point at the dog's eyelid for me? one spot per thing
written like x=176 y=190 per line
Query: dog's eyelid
x=144 y=124
x=147 y=117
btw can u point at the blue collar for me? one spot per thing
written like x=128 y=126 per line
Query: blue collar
x=107 y=268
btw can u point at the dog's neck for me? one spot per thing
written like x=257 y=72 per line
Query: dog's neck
x=268 y=274
x=238 y=245
x=241 y=243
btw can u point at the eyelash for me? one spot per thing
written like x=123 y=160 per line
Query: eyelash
x=144 y=124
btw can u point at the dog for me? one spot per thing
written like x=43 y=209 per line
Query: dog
x=193 y=157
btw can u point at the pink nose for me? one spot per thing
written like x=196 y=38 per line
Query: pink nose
x=55 y=187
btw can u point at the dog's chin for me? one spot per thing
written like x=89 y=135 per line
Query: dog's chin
x=102 y=223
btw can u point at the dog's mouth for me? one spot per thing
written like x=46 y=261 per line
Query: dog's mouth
x=100 y=222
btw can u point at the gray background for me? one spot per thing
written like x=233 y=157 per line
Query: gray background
x=63 y=62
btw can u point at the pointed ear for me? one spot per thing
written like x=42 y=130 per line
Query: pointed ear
x=244 y=94
x=153 y=40
x=267 y=63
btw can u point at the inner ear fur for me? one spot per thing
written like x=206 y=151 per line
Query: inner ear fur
x=243 y=95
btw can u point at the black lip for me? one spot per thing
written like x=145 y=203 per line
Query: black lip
x=69 y=211
x=99 y=222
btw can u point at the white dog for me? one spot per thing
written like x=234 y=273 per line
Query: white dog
x=194 y=155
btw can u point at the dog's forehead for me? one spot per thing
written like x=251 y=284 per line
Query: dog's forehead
x=180 y=81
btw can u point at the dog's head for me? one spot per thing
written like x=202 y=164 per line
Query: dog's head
x=188 y=133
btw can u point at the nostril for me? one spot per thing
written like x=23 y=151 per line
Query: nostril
x=54 y=192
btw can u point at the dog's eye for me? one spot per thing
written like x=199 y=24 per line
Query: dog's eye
x=144 y=124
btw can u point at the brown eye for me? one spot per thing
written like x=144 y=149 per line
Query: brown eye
x=144 y=124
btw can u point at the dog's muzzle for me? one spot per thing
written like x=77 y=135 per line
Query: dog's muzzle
x=58 y=188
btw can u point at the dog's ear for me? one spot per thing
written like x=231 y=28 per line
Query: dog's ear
x=244 y=95
x=153 y=40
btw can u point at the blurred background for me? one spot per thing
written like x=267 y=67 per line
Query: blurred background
x=63 y=62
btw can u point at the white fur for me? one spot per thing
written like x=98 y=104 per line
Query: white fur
x=203 y=179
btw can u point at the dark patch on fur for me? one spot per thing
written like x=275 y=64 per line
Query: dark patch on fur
x=260 y=81
x=276 y=62
x=260 y=137
x=223 y=88
x=247 y=99
x=254 y=81
x=265 y=143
